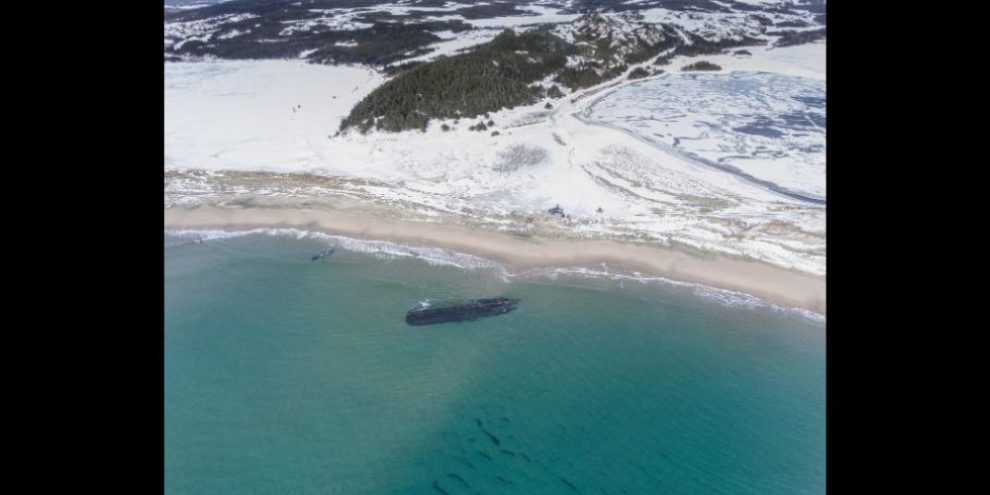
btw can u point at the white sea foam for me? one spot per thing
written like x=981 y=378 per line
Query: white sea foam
x=722 y=296
x=381 y=249
x=446 y=257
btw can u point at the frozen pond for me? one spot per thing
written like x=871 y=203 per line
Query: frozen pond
x=767 y=128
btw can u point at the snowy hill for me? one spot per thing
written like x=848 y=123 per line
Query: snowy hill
x=585 y=104
x=379 y=32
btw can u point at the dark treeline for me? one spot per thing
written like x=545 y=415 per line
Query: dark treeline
x=295 y=9
x=603 y=60
x=795 y=23
x=701 y=65
x=585 y=6
x=504 y=72
x=788 y=38
x=392 y=70
x=701 y=46
x=389 y=38
x=638 y=72
x=588 y=74
x=380 y=44
x=497 y=74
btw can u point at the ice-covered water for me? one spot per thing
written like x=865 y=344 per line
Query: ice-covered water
x=770 y=127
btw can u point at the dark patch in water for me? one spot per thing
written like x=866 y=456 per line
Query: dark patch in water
x=571 y=485
x=503 y=480
x=438 y=488
x=486 y=456
x=491 y=437
x=458 y=478
x=323 y=254
x=508 y=452
x=524 y=456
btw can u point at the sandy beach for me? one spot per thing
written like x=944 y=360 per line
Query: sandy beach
x=771 y=283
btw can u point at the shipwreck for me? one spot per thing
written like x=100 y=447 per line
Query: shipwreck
x=465 y=311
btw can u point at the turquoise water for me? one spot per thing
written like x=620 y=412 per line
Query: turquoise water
x=284 y=375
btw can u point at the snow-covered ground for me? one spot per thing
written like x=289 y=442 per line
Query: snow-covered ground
x=769 y=126
x=225 y=116
x=710 y=22
x=257 y=115
x=452 y=43
x=536 y=14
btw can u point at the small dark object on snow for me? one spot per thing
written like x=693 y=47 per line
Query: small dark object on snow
x=556 y=210
x=701 y=65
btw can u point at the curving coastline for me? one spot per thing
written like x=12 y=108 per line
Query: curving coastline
x=774 y=284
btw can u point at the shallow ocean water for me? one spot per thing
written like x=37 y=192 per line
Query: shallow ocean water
x=285 y=375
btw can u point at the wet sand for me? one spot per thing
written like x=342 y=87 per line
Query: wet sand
x=768 y=282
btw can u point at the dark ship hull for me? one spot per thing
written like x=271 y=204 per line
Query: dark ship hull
x=469 y=310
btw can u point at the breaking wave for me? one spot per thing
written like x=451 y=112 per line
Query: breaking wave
x=381 y=249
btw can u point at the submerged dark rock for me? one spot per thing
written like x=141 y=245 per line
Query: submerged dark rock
x=492 y=437
x=323 y=254
x=570 y=485
x=503 y=480
x=458 y=478
x=469 y=310
x=439 y=489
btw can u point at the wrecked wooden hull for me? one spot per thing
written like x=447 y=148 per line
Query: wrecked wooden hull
x=465 y=311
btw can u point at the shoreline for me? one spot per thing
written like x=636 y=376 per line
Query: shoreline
x=771 y=283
